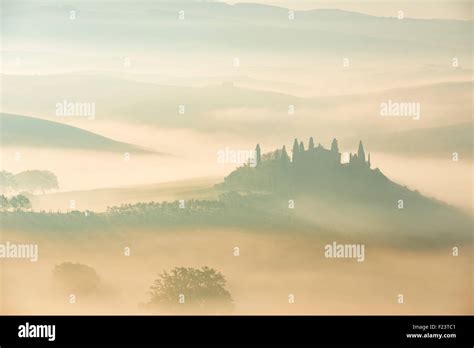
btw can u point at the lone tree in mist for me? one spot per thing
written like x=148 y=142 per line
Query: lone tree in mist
x=76 y=278
x=36 y=180
x=191 y=289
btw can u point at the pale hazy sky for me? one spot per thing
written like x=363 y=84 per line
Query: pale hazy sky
x=443 y=9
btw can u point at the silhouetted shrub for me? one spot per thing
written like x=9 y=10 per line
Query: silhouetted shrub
x=76 y=278
x=187 y=289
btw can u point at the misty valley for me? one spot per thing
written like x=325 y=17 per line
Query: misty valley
x=183 y=157
x=303 y=205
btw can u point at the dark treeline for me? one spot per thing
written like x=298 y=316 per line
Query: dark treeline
x=231 y=209
x=15 y=203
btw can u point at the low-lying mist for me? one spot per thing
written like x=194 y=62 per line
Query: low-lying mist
x=269 y=268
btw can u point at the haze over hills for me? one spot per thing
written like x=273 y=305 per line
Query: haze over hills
x=213 y=34
x=437 y=142
x=313 y=192
x=232 y=109
x=158 y=105
x=239 y=102
x=205 y=81
x=346 y=196
x=99 y=199
x=222 y=25
x=23 y=131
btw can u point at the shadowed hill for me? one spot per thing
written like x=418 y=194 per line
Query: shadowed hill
x=29 y=131
x=347 y=197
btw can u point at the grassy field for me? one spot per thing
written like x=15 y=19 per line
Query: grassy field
x=99 y=199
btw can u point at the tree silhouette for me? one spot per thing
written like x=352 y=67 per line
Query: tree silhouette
x=361 y=152
x=296 y=150
x=20 y=202
x=4 y=203
x=76 y=278
x=302 y=156
x=7 y=181
x=36 y=180
x=284 y=159
x=301 y=147
x=191 y=289
x=258 y=154
x=311 y=144
x=334 y=146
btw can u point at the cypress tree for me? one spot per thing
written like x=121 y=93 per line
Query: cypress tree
x=296 y=150
x=301 y=153
x=334 y=146
x=284 y=159
x=301 y=147
x=258 y=154
x=361 y=153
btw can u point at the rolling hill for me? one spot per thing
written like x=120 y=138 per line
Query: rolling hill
x=19 y=130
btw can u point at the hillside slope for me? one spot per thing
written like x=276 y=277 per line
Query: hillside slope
x=19 y=130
